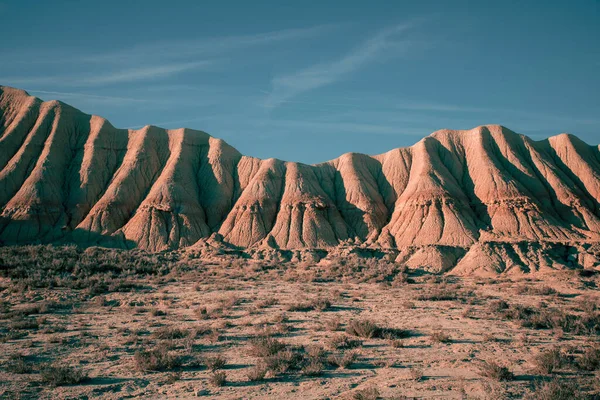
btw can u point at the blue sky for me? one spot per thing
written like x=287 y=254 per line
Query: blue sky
x=307 y=81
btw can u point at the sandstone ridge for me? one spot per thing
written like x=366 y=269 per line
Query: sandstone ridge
x=483 y=199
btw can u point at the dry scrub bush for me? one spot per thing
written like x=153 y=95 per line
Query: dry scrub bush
x=257 y=373
x=343 y=360
x=333 y=324
x=343 y=342
x=265 y=346
x=218 y=378
x=368 y=329
x=313 y=367
x=94 y=270
x=318 y=304
x=589 y=360
x=440 y=336
x=416 y=374
x=17 y=364
x=492 y=370
x=157 y=359
x=371 y=393
x=547 y=361
x=171 y=332
x=556 y=390
x=215 y=362
x=59 y=375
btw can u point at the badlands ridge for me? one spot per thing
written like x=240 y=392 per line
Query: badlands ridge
x=484 y=201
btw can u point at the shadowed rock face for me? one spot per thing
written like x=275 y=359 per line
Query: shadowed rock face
x=68 y=176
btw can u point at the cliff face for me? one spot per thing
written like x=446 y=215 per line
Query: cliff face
x=68 y=176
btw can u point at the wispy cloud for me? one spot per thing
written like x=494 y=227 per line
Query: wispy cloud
x=177 y=49
x=159 y=59
x=116 y=75
x=145 y=73
x=286 y=87
x=77 y=95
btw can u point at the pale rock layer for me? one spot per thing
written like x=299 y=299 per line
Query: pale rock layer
x=478 y=201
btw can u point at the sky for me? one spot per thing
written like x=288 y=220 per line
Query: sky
x=308 y=81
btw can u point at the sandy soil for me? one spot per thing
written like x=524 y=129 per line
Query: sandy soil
x=100 y=335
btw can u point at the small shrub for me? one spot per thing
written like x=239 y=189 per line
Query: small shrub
x=416 y=374
x=362 y=328
x=313 y=367
x=489 y=337
x=284 y=361
x=319 y=304
x=23 y=323
x=257 y=373
x=547 y=361
x=556 y=390
x=536 y=290
x=498 y=306
x=215 y=363
x=315 y=351
x=157 y=359
x=169 y=332
x=469 y=312
x=268 y=302
x=409 y=305
x=440 y=337
x=173 y=377
x=441 y=293
x=590 y=359
x=366 y=394
x=155 y=312
x=343 y=342
x=343 y=360
x=17 y=364
x=218 y=378
x=492 y=370
x=202 y=313
x=60 y=375
x=333 y=324
x=265 y=346
x=368 y=329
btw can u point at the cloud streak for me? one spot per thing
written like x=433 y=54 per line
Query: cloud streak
x=165 y=58
x=145 y=73
x=286 y=87
x=87 y=96
x=178 y=49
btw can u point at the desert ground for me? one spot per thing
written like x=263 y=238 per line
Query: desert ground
x=112 y=324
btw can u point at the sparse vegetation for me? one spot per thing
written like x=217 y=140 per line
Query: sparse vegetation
x=370 y=393
x=589 y=360
x=343 y=360
x=18 y=364
x=215 y=362
x=556 y=390
x=257 y=373
x=157 y=359
x=265 y=346
x=343 y=342
x=291 y=332
x=416 y=374
x=218 y=378
x=59 y=375
x=368 y=329
x=548 y=361
x=494 y=371
x=439 y=336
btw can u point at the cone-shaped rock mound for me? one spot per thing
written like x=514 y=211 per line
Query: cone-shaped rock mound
x=66 y=176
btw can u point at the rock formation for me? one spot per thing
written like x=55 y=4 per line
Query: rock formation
x=473 y=200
